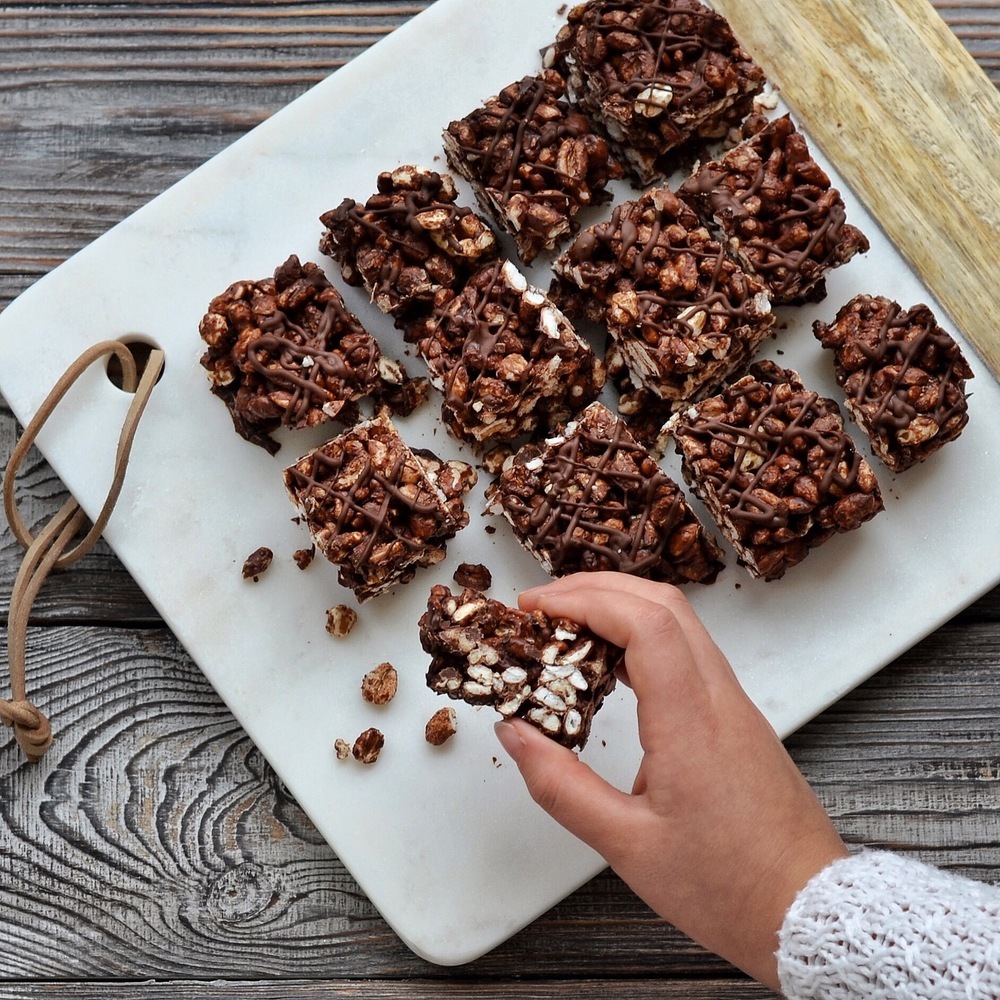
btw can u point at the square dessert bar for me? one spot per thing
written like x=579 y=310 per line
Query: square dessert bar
x=286 y=350
x=772 y=463
x=408 y=241
x=655 y=75
x=549 y=671
x=506 y=359
x=377 y=509
x=774 y=204
x=592 y=498
x=684 y=315
x=904 y=377
x=533 y=161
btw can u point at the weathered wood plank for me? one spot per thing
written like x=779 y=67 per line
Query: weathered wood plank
x=593 y=989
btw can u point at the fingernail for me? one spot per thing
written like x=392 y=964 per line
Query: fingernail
x=509 y=739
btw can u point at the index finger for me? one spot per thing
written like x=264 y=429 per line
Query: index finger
x=591 y=599
x=663 y=668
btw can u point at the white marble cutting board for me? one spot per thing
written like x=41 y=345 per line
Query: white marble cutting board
x=445 y=841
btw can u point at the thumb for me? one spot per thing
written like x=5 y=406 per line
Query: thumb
x=573 y=794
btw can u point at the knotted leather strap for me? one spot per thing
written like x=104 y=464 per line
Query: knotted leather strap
x=48 y=550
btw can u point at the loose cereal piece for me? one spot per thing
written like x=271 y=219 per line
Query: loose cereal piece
x=407 y=242
x=772 y=463
x=551 y=672
x=776 y=208
x=257 y=563
x=441 y=726
x=505 y=359
x=342 y=749
x=378 y=686
x=592 y=498
x=475 y=576
x=655 y=75
x=368 y=746
x=340 y=620
x=377 y=509
x=533 y=161
x=684 y=315
x=286 y=350
x=304 y=557
x=903 y=375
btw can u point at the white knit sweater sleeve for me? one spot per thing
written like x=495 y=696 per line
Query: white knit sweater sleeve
x=878 y=925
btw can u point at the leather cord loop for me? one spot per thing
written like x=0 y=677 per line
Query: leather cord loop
x=48 y=550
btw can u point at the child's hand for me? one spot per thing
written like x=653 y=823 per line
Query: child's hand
x=721 y=830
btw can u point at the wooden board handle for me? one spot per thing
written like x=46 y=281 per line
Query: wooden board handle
x=911 y=122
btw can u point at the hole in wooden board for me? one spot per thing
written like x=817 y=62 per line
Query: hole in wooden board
x=140 y=348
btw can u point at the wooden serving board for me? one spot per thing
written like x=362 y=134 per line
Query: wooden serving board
x=892 y=97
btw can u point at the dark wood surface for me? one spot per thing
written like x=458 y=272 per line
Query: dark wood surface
x=154 y=852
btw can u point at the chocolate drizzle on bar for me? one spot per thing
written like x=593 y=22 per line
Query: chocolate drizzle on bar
x=684 y=315
x=593 y=499
x=774 y=466
x=506 y=360
x=407 y=241
x=286 y=350
x=376 y=508
x=659 y=78
x=775 y=203
x=675 y=39
x=903 y=375
x=533 y=160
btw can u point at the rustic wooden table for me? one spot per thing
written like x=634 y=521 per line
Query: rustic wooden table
x=154 y=852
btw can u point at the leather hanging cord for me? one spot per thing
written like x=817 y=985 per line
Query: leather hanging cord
x=47 y=550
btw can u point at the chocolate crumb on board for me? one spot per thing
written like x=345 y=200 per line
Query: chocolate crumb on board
x=441 y=726
x=257 y=563
x=475 y=576
x=342 y=749
x=368 y=746
x=903 y=375
x=378 y=686
x=772 y=463
x=303 y=557
x=553 y=673
x=340 y=620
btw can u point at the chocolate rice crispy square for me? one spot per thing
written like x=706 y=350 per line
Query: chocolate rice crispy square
x=903 y=375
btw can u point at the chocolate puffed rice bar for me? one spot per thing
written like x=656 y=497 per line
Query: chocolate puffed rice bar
x=683 y=313
x=408 y=241
x=592 y=498
x=904 y=377
x=549 y=671
x=506 y=360
x=655 y=75
x=774 y=466
x=533 y=161
x=376 y=508
x=776 y=208
x=286 y=351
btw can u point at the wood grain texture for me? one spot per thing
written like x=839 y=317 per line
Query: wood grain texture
x=886 y=82
x=156 y=853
